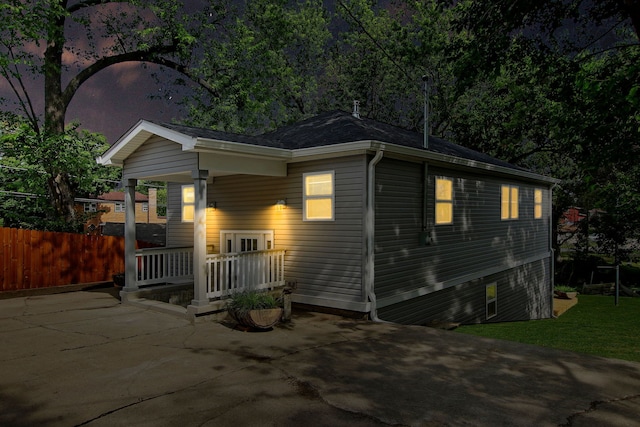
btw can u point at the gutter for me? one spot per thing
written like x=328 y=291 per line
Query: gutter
x=552 y=260
x=369 y=272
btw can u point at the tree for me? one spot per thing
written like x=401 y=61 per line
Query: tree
x=262 y=68
x=66 y=43
x=23 y=174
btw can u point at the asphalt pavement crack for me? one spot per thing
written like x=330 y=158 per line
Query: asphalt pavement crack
x=593 y=406
x=308 y=391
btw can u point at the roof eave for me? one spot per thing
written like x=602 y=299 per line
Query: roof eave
x=138 y=135
x=207 y=145
x=359 y=147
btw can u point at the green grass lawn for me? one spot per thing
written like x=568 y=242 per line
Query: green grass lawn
x=594 y=326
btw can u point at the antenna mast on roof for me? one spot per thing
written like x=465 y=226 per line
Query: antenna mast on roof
x=425 y=143
x=356 y=109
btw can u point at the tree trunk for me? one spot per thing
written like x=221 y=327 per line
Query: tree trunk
x=58 y=182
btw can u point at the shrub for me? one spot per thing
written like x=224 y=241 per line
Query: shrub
x=245 y=301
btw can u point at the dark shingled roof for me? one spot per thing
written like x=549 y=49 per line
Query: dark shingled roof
x=338 y=127
x=222 y=136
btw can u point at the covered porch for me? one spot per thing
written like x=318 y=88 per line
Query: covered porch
x=156 y=153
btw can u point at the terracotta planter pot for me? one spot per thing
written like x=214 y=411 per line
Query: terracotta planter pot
x=259 y=319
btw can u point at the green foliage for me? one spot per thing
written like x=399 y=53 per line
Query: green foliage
x=593 y=326
x=261 y=68
x=248 y=300
x=564 y=288
x=30 y=161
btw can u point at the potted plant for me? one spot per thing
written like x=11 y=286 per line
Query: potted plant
x=118 y=280
x=255 y=309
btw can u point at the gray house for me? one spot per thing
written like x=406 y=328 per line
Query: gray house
x=360 y=215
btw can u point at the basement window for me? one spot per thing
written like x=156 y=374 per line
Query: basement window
x=318 y=196
x=492 y=300
x=509 y=202
x=188 y=203
x=444 y=201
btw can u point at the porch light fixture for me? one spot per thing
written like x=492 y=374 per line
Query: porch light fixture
x=213 y=205
x=281 y=204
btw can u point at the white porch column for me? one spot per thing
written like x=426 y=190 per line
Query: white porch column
x=130 y=272
x=200 y=239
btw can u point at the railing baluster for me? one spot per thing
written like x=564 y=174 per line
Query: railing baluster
x=226 y=273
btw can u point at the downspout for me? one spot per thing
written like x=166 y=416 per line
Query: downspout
x=552 y=261
x=369 y=272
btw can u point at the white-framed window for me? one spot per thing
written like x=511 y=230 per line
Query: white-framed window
x=119 y=207
x=444 y=201
x=509 y=202
x=318 y=196
x=537 y=203
x=188 y=203
x=90 y=207
x=145 y=207
x=491 y=294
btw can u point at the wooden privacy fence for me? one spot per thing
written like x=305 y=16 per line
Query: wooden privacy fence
x=37 y=259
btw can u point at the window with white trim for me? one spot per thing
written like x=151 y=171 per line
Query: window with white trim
x=444 y=201
x=318 y=196
x=509 y=202
x=246 y=240
x=145 y=207
x=537 y=203
x=90 y=207
x=491 y=294
x=188 y=203
x=119 y=207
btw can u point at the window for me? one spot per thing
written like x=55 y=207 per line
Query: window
x=444 y=201
x=145 y=207
x=492 y=300
x=318 y=196
x=90 y=207
x=119 y=207
x=537 y=203
x=509 y=206
x=188 y=203
x=246 y=240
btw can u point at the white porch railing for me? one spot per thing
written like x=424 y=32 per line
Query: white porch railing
x=161 y=265
x=228 y=273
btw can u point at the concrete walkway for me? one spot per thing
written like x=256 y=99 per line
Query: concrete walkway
x=83 y=359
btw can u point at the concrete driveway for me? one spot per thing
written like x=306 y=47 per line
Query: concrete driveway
x=83 y=359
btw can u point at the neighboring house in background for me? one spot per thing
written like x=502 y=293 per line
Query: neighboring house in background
x=110 y=208
x=108 y=216
x=360 y=215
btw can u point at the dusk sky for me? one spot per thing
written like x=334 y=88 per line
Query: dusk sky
x=114 y=100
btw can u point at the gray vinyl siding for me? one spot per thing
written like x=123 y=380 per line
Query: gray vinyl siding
x=179 y=234
x=323 y=258
x=159 y=157
x=477 y=244
x=522 y=294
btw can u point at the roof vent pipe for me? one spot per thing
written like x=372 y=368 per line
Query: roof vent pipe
x=425 y=143
x=356 y=109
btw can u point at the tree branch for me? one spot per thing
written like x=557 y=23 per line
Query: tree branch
x=87 y=3
x=25 y=103
x=151 y=55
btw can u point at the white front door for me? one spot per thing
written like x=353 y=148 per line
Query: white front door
x=234 y=241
